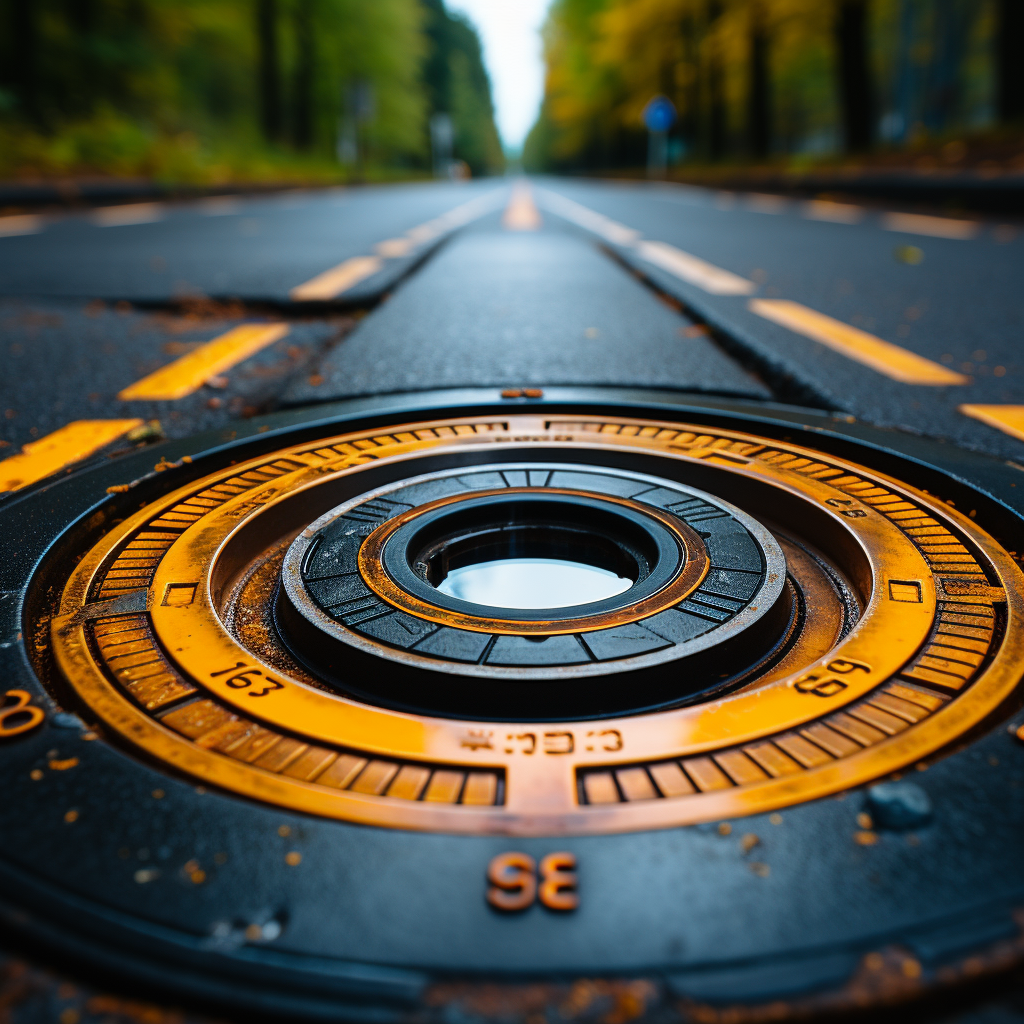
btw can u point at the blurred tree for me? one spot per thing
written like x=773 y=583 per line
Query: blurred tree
x=213 y=89
x=457 y=84
x=303 y=90
x=759 y=118
x=767 y=77
x=1010 y=60
x=270 y=68
x=855 y=92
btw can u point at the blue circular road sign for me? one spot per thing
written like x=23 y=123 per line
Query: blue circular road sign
x=659 y=114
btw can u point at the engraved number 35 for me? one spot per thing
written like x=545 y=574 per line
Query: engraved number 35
x=513 y=878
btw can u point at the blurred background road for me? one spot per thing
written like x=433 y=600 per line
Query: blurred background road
x=184 y=315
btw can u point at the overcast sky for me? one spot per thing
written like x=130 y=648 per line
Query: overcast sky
x=510 y=31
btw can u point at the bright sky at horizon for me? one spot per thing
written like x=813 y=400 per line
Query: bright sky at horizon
x=510 y=32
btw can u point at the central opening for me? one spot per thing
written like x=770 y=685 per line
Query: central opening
x=530 y=554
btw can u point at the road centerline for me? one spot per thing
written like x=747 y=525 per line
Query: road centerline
x=192 y=371
x=895 y=362
x=71 y=443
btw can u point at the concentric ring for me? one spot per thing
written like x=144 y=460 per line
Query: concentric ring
x=935 y=651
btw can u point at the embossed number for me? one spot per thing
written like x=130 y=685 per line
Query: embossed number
x=18 y=714
x=513 y=878
x=239 y=680
x=813 y=682
x=850 y=513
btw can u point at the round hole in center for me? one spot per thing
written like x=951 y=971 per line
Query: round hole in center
x=530 y=555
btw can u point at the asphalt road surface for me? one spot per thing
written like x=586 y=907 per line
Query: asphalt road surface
x=906 y=321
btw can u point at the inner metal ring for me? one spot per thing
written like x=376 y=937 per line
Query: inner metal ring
x=681 y=565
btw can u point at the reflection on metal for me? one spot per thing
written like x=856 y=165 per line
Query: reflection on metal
x=532 y=583
x=903 y=631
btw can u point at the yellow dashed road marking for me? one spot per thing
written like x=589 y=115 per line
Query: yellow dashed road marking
x=612 y=230
x=922 y=224
x=135 y=213
x=837 y=213
x=760 y=202
x=883 y=356
x=393 y=248
x=521 y=213
x=1007 y=418
x=333 y=282
x=192 y=371
x=689 y=268
x=70 y=444
x=20 y=224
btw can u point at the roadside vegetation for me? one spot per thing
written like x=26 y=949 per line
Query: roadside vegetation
x=784 y=83
x=207 y=92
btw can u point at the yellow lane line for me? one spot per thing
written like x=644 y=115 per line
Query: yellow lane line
x=521 y=213
x=1007 y=418
x=705 y=275
x=394 y=248
x=20 y=224
x=922 y=224
x=134 y=213
x=837 y=213
x=611 y=230
x=70 y=444
x=883 y=356
x=760 y=202
x=333 y=282
x=192 y=371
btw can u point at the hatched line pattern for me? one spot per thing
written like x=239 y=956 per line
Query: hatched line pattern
x=958 y=646
x=136 y=563
x=886 y=712
x=127 y=648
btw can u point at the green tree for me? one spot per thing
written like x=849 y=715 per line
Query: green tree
x=457 y=84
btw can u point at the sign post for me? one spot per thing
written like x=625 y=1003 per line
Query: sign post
x=659 y=116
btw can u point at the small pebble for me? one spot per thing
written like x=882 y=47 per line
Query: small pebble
x=725 y=829
x=66 y=720
x=899 y=805
x=293 y=859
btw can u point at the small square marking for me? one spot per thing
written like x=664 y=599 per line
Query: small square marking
x=907 y=591
x=178 y=595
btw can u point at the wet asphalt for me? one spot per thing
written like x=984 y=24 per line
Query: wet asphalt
x=92 y=301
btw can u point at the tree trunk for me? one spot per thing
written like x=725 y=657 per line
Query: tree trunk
x=269 y=69
x=759 y=117
x=716 y=89
x=855 y=94
x=24 y=55
x=1010 y=47
x=304 y=58
x=690 y=107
